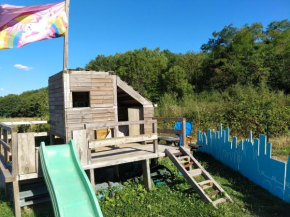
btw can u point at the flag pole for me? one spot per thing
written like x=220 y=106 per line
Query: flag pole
x=66 y=89
x=65 y=50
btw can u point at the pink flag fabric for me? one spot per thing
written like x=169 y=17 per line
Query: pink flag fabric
x=20 y=25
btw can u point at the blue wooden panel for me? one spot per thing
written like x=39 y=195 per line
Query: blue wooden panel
x=252 y=158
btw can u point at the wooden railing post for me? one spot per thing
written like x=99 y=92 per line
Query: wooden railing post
x=0 y=138
x=183 y=132
x=5 y=139
x=155 y=141
x=14 y=152
x=81 y=143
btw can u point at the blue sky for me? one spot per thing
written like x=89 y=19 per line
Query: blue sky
x=111 y=26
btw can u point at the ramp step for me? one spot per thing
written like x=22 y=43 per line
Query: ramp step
x=177 y=154
x=184 y=158
x=213 y=193
x=206 y=184
x=195 y=172
x=221 y=200
x=188 y=165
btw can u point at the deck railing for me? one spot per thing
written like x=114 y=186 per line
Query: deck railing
x=181 y=132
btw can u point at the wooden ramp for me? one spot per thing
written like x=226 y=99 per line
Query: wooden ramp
x=198 y=177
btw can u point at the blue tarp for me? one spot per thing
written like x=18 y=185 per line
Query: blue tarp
x=178 y=126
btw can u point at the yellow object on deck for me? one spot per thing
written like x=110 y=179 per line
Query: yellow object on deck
x=102 y=133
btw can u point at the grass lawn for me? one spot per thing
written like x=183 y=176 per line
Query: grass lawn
x=178 y=199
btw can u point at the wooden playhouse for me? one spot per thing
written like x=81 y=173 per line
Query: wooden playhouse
x=82 y=104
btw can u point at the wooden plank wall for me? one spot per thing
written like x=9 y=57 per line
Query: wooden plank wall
x=148 y=112
x=77 y=117
x=100 y=85
x=26 y=153
x=56 y=107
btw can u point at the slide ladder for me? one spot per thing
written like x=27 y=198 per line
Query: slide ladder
x=198 y=177
x=69 y=188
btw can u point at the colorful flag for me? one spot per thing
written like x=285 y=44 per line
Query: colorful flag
x=20 y=25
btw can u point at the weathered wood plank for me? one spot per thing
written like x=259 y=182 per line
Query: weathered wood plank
x=146 y=174
x=134 y=94
x=113 y=124
x=122 y=140
x=105 y=97
x=168 y=119
x=80 y=138
x=134 y=115
x=15 y=169
x=26 y=153
x=169 y=131
x=17 y=208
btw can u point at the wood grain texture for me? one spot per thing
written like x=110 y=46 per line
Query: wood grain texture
x=80 y=138
x=122 y=140
x=146 y=174
x=26 y=153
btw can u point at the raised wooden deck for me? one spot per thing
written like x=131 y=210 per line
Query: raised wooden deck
x=106 y=156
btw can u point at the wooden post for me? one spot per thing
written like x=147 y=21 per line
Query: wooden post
x=92 y=178
x=5 y=139
x=16 y=197
x=51 y=139
x=0 y=138
x=80 y=138
x=65 y=71
x=146 y=174
x=14 y=153
x=65 y=50
x=155 y=142
x=183 y=132
x=116 y=172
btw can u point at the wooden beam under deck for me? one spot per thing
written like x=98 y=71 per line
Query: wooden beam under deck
x=126 y=154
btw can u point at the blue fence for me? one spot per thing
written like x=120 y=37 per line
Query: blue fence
x=252 y=158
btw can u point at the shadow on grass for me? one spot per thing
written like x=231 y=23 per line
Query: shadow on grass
x=245 y=193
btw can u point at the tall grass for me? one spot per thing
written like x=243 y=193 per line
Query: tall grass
x=242 y=108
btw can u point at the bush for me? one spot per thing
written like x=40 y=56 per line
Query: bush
x=242 y=108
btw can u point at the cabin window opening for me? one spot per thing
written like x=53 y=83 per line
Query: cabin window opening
x=81 y=99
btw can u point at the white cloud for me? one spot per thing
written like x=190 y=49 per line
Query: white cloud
x=2 y=89
x=19 y=66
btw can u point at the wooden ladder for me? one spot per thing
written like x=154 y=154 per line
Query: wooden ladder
x=192 y=171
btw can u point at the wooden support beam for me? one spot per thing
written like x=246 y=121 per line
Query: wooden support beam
x=134 y=94
x=0 y=139
x=92 y=179
x=122 y=140
x=95 y=126
x=116 y=172
x=168 y=119
x=15 y=170
x=6 y=147
x=170 y=131
x=155 y=142
x=80 y=138
x=146 y=174
x=183 y=132
x=16 y=197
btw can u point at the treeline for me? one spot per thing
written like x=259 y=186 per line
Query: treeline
x=28 y=104
x=239 y=78
x=247 y=55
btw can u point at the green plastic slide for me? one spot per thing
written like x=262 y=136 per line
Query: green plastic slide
x=69 y=187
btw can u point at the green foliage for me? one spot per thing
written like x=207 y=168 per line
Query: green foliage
x=242 y=108
x=28 y=104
